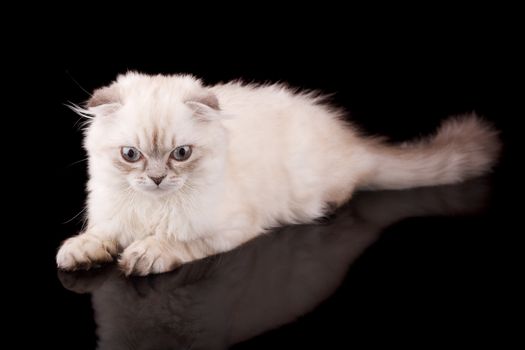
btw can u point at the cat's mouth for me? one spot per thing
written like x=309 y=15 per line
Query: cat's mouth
x=159 y=190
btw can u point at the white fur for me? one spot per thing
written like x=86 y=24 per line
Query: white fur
x=277 y=157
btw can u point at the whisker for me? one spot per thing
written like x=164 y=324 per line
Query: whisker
x=74 y=217
x=77 y=83
x=77 y=162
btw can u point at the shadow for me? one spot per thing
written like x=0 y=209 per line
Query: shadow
x=270 y=281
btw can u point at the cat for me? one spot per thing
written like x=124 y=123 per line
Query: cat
x=179 y=171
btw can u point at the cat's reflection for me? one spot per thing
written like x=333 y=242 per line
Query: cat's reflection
x=268 y=282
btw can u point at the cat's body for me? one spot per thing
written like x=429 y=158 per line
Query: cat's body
x=259 y=156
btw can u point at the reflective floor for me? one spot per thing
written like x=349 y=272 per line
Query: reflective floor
x=427 y=268
x=408 y=267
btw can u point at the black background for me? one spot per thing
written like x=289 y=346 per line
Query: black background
x=427 y=280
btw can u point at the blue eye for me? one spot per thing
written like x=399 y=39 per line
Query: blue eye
x=130 y=154
x=181 y=153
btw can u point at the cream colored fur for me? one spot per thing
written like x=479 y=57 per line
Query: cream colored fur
x=262 y=156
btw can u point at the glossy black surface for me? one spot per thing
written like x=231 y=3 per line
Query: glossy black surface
x=414 y=267
x=308 y=274
x=426 y=267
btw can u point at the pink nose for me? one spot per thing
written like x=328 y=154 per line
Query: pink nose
x=157 y=180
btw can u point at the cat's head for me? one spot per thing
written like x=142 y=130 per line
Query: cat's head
x=154 y=134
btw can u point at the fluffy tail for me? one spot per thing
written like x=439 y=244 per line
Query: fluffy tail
x=463 y=147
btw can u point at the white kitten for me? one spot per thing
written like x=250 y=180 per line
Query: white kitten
x=179 y=171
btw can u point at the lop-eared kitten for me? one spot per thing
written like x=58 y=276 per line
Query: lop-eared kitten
x=180 y=171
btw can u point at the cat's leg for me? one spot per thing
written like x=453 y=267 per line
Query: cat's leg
x=86 y=250
x=156 y=254
x=161 y=253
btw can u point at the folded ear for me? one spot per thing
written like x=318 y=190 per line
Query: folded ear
x=104 y=100
x=205 y=106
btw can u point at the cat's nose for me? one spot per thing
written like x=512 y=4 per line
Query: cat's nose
x=158 y=179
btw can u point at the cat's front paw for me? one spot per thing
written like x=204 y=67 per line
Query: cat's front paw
x=85 y=251
x=149 y=255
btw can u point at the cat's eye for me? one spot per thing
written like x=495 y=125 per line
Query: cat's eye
x=131 y=154
x=181 y=153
